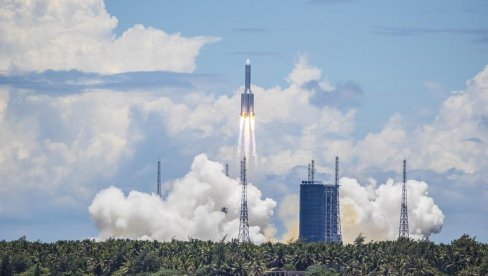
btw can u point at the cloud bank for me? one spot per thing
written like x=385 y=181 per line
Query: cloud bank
x=66 y=146
x=192 y=208
x=79 y=34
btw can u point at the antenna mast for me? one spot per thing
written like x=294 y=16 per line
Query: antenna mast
x=403 y=229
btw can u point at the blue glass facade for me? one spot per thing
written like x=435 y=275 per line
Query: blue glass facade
x=319 y=212
x=312 y=211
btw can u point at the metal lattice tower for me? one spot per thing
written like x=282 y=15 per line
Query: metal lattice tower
x=227 y=169
x=338 y=209
x=403 y=229
x=159 y=179
x=244 y=219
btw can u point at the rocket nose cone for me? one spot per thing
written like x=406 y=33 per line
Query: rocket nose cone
x=248 y=62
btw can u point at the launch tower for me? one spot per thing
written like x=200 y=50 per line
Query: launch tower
x=319 y=208
x=333 y=219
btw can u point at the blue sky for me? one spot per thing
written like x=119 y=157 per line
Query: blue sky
x=93 y=93
x=390 y=49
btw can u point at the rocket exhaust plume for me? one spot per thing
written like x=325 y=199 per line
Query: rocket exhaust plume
x=247 y=140
x=203 y=204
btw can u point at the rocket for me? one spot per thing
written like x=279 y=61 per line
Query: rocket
x=247 y=98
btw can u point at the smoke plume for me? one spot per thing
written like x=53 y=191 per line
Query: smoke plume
x=193 y=208
x=288 y=213
x=374 y=210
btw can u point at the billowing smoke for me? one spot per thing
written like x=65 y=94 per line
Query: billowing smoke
x=374 y=210
x=193 y=208
x=288 y=214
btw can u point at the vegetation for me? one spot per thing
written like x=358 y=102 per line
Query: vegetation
x=464 y=256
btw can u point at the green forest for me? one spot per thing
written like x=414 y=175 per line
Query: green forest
x=463 y=256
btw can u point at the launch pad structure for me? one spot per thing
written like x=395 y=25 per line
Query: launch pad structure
x=319 y=208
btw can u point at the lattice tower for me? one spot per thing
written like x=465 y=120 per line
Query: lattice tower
x=339 y=231
x=403 y=229
x=244 y=219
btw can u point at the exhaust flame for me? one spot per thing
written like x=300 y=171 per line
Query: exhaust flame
x=247 y=138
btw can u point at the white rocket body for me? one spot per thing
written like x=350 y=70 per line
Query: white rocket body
x=247 y=98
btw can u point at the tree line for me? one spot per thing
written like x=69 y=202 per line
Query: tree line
x=463 y=256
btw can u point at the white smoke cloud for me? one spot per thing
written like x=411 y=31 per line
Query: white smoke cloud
x=288 y=214
x=192 y=208
x=374 y=210
x=64 y=35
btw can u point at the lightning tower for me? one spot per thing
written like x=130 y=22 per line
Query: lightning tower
x=244 y=219
x=403 y=229
x=159 y=179
x=337 y=214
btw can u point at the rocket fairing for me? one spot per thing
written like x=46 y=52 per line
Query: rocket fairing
x=247 y=98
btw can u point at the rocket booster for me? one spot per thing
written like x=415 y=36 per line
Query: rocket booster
x=247 y=98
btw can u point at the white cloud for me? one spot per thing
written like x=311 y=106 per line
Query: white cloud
x=457 y=136
x=51 y=144
x=304 y=73
x=64 y=35
x=70 y=145
x=191 y=209
x=291 y=129
x=455 y=139
x=385 y=149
